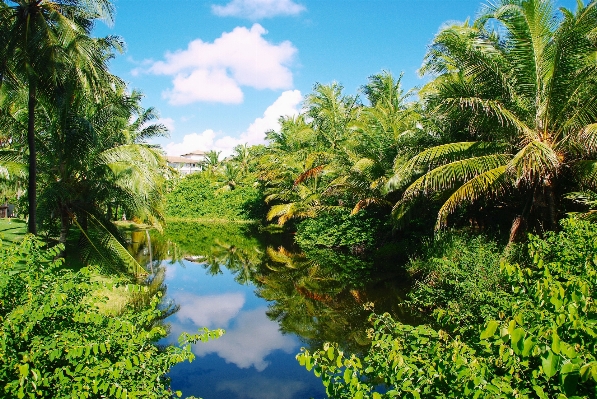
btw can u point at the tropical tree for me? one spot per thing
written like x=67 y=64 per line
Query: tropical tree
x=211 y=162
x=515 y=96
x=93 y=157
x=41 y=41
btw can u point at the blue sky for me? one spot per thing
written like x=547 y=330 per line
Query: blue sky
x=221 y=72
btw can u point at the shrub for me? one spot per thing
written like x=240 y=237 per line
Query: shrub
x=195 y=197
x=55 y=343
x=542 y=341
x=339 y=229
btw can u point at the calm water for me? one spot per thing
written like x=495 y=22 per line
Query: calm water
x=270 y=297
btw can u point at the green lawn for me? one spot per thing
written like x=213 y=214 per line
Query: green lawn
x=12 y=229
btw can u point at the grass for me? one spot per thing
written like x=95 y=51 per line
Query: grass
x=118 y=297
x=12 y=229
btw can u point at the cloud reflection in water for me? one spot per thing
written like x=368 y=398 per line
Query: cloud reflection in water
x=250 y=340
x=211 y=311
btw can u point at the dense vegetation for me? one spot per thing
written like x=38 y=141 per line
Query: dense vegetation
x=516 y=330
x=57 y=342
x=499 y=145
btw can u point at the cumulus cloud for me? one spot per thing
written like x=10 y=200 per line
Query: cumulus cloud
x=190 y=142
x=212 y=311
x=216 y=71
x=287 y=104
x=168 y=122
x=257 y=9
x=252 y=338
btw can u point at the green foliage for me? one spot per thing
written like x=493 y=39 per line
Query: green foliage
x=54 y=342
x=541 y=342
x=458 y=281
x=339 y=229
x=195 y=197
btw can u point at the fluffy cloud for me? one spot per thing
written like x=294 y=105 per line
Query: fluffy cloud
x=213 y=311
x=286 y=105
x=251 y=339
x=216 y=71
x=190 y=142
x=168 y=122
x=257 y=9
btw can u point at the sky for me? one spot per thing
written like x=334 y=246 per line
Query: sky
x=222 y=72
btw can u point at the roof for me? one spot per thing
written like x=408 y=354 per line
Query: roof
x=196 y=152
x=178 y=159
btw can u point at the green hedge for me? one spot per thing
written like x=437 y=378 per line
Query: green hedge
x=197 y=196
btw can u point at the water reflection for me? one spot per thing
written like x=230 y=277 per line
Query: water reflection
x=270 y=297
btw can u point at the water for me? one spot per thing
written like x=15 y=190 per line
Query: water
x=270 y=297
x=254 y=359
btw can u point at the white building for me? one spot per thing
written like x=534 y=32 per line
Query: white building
x=187 y=163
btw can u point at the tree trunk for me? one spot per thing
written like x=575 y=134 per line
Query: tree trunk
x=31 y=191
x=64 y=224
x=551 y=204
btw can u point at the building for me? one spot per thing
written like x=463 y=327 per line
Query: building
x=187 y=163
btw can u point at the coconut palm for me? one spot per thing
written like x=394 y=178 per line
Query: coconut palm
x=42 y=40
x=91 y=160
x=515 y=95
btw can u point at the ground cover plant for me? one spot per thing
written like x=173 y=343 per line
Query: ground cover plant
x=56 y=343
x=538 y=340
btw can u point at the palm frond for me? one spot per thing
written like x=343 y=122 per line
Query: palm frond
x=534 y=161
x=446 y=176
x=585 y=173
x=313 y=172
x=491 y=182
x=365 y=203
x=432 y=157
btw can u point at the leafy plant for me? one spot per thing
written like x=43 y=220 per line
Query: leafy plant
x=54 y=342
x=542 y=342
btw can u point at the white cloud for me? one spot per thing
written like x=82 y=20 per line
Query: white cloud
x=252 y=338
x=257 y=9
x=190 y=142
x=168 y=122
x=212 y=311
x=286 y=105
x=216 y=71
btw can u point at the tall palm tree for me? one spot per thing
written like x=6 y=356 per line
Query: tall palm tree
x=515 y=92
x=42 y=39
x=94 y=156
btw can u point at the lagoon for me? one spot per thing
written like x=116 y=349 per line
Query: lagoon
x=271 y=297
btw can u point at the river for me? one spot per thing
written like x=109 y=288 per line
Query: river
x=271 y=297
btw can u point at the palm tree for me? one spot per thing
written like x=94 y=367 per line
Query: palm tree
x=211 y=162
x=515 y=96
x=93 y=156
x=42 y=40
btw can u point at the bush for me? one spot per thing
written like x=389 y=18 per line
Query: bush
x=195 y=197
x=339 y=229
x=458 y=281
x=55 y=343
x=540 y=343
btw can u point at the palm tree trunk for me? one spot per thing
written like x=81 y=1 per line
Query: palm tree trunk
x=551 y=204
x=64 y=225
x=31 y=192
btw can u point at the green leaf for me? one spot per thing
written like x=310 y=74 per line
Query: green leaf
x=540 y=392
x=555 y=342
x=529 y=344
x=330 y=353
x=516 y=339
x=550 y=363
x=490 y=329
